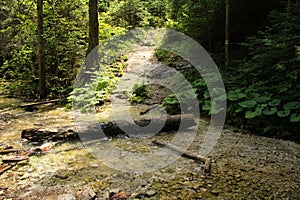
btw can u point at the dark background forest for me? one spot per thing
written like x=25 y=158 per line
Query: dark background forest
x=261 y=79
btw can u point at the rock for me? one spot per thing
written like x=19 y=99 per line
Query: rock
x=94 y=165
x=150 y=193
x=87 y=194
x=66 y=197
x=115 y=190
x=37 y=188
x=27 y=195
x=120 y=195
x=215 y=192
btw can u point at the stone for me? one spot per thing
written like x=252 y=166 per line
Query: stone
x=215 y=192
x=87 y=194
x=66 y=197
x=37 y=188
x=150 y=193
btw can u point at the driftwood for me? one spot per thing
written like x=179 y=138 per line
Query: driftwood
x=6 y=166
x=110 y=129
x=11 y=161
x=39 y=103
x=23 y=154
x=187 y=154
x=16 y=158
x=6 y=151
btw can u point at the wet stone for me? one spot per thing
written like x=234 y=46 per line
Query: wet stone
x=66 y=197
x=87 y=194
x=215 y=192
x=150 y=193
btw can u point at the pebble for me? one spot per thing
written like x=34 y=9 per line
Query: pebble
x=94 y=165
x=150 y=193
x=215 y=192
x=36 y=188
x=87 y=194
x=66 y=197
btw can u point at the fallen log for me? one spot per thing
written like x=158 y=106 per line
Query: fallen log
x=187 y=154
x=110 y=129
x=38 y=103
x=43 y=135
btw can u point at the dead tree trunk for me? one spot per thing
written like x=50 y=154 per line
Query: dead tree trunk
x=110 y=129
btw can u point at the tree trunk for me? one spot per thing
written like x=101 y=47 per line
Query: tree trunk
x=41 y=51
x=93 y=25
x=92 y=59
x=227 y=36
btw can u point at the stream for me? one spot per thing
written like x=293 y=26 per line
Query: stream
x=244 y=166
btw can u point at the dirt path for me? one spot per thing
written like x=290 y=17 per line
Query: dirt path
x=244 y=166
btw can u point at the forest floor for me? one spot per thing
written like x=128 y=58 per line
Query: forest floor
x=244 y=166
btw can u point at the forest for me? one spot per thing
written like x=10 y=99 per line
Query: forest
x=261 y=76
x=254 y=44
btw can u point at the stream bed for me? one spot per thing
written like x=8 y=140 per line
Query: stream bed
x=243 y=166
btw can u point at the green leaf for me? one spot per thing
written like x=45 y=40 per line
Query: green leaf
x=248 y=104
x=295 y=117
x=252 y=114
x=264 y=105
x=207 y=105
x=216 y=109
x=270 y=111
x=220 y=98
x=263 y=99
x=217 y=91
x=292 y=105
x=283 y=113
x=274 y=102
x=234 y=95
x=238 y=110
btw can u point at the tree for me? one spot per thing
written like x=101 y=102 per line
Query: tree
x=93 y=25
x=227 y=35
x=41 y=51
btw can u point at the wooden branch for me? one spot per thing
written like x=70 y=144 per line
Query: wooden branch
x=149 y=109
x=38 y=103
x=187 y=154
x=11 y=161
x=6 y=166
x=15 y=158
x=6 y=151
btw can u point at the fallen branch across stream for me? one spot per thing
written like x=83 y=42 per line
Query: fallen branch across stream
x=39 y=103
x=187 y=154
x=111 y=129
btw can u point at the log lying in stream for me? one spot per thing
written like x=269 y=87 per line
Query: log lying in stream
x=31 y=106
x=39 y=103
x=187 y=154
x=110 y=129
